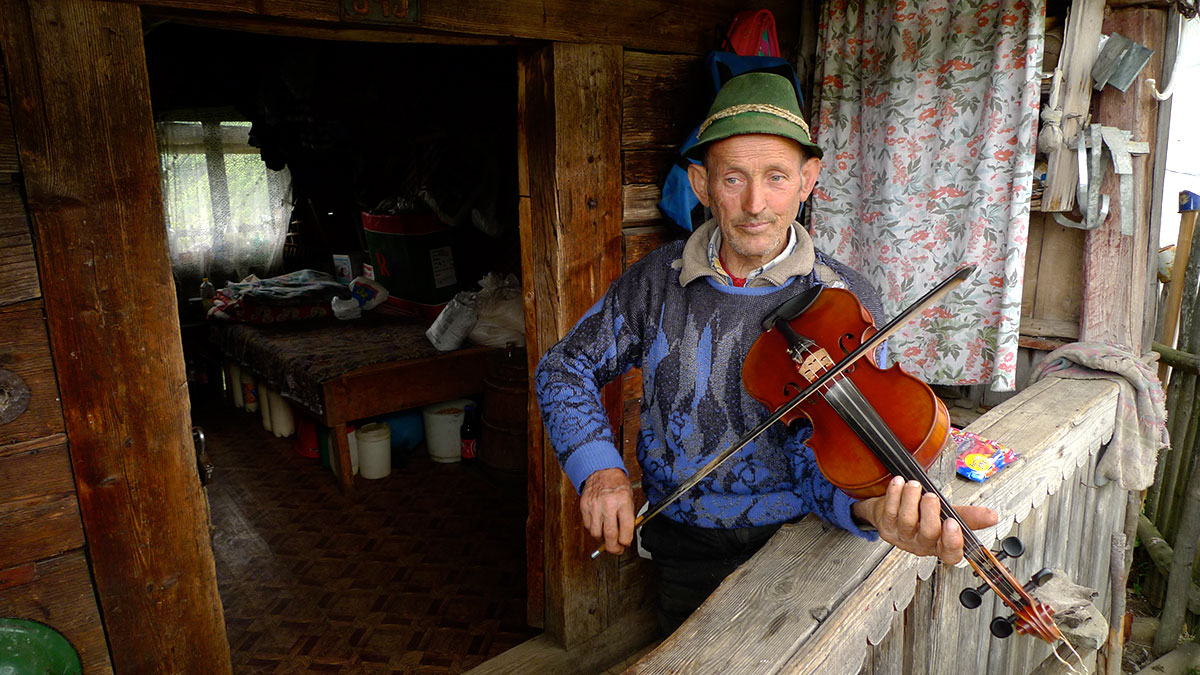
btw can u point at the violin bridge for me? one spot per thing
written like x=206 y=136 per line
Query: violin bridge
x=814 y=364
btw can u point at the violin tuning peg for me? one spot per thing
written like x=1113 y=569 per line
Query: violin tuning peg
x=970 y=598
x=1001 y=626
x=1010 y=547
x=1042 y=576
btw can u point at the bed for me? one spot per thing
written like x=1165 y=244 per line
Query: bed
x=342 y=371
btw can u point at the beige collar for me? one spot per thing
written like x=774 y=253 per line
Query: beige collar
x=694 y=261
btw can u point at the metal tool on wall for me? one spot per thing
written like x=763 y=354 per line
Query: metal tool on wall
x=1090 y=150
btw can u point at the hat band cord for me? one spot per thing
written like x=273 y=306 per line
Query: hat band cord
x=758 y=108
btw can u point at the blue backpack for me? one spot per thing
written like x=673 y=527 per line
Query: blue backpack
x=678 y=201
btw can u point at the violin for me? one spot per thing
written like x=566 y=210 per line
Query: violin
x=871 y=424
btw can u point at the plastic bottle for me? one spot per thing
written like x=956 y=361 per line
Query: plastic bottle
x=468 y=433
x=207 y=293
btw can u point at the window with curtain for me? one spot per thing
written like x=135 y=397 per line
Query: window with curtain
x=227 y=213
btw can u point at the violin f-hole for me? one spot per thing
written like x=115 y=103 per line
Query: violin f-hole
x=845 y=337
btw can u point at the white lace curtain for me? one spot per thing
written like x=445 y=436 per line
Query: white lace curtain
x=227 y=213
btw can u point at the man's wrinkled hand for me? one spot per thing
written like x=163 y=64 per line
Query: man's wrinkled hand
x=607 y=507
x=912 y=521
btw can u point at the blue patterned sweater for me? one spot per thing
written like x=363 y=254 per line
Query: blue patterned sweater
x=690 y=343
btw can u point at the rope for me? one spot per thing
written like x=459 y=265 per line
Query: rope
x=757 y=108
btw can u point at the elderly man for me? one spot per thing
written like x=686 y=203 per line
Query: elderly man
x=687 y=314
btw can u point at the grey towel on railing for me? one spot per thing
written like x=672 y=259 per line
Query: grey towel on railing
x=1141 y=425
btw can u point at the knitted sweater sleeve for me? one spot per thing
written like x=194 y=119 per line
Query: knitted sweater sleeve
x=603 y=344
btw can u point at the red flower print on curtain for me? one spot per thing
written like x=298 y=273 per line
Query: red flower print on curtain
x=927 y=113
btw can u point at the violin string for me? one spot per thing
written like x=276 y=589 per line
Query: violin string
x=886 y=440
x=902 y=463
x=1078 y=658
x=841 y=393
x=1063 y=661
x=897 y=459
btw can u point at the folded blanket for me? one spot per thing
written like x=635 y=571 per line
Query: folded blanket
x=1141 y=424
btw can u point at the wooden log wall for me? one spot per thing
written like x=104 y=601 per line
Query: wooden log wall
x=44 y=574
x=661 y=25
x=80 y=106
x=818 y=600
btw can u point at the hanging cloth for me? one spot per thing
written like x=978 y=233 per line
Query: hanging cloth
x=926 y=113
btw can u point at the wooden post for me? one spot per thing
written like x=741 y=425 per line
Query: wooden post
x=1180 y=395
x=1179 y=579
x=572 y=154
x=1183 y=250
x=81 y=111
x=1115 y=265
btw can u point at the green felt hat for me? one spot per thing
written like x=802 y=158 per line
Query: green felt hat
x=754 y=103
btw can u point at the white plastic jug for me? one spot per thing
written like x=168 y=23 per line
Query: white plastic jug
x=264 y=405
x=282 y=422
x=374 y=450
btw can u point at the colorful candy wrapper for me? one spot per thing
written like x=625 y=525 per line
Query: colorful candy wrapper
x=979 y=457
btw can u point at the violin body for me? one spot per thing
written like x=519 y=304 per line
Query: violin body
x=869 y=423
x=837 y=322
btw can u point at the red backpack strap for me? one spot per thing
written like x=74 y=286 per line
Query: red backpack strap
x=752 y=33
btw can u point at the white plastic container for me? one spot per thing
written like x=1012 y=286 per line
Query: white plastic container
x=374 y=450
x=442 y=423
x=264 y=405
x=282 y=422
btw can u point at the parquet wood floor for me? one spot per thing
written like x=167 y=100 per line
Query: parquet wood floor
x=419 y=572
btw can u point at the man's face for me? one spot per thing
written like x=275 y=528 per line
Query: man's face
x=754 y=184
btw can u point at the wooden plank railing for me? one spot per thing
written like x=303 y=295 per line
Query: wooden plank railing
x=819 y=600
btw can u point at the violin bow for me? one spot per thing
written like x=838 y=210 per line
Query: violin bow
x=925 y=302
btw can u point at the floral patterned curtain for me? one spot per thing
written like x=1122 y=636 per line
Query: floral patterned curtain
x=927 y=112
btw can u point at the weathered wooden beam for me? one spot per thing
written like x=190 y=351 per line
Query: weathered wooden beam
x=1115 y=265
x=1160 y=553
x=665 y=97
x=26 y=355
x=81 y=111
x=1183 y=253
x=542 y=655
x=572 y=154
x=534 y=107
x=58 y=592
x=1177 y=359
x=1072 y=98
x=17 y=265
x=1057 y=328
x=38 y=507
x=640 y=203
x=661 y=25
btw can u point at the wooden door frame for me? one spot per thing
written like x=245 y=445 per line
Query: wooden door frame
x=85 y=136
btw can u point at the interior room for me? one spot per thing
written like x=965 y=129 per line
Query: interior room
x=300 y=175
